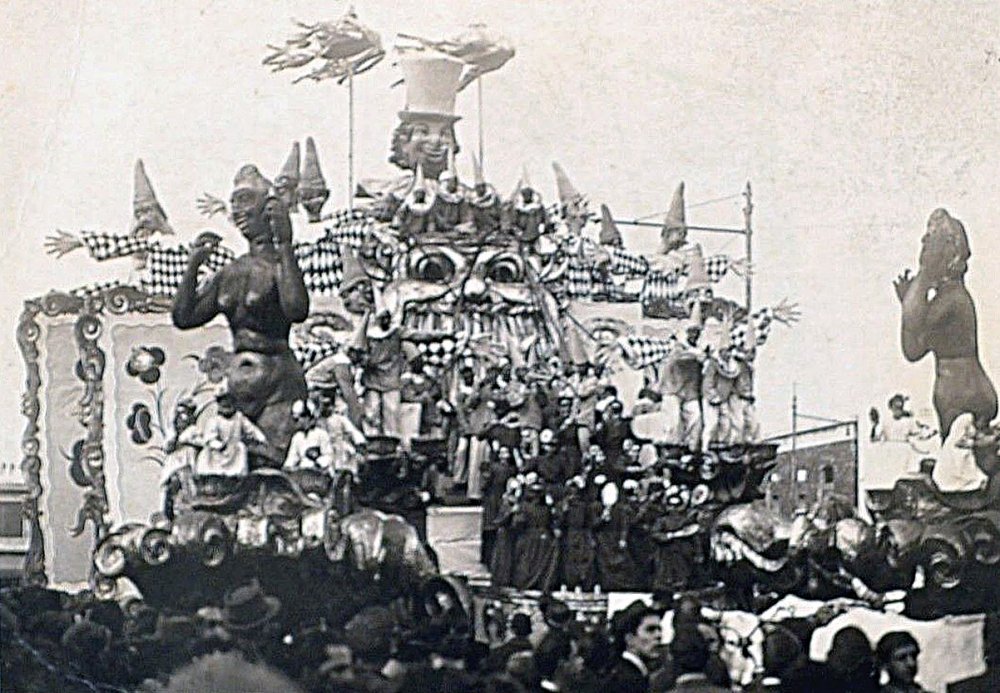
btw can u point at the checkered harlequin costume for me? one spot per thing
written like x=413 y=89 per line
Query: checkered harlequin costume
x=162 y=268
x=308 y=354
x=757 y=329
x=667 y=285
x=640 y=352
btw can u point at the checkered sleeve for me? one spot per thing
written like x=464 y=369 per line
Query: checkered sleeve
x=350 y=228
x=716 y=266
x=662 y=286
x=748 y=334
x=579 y=279
x=106 y=246
x=220 y=257
x=93 y=290
x=630 y=265
x=164 y=270
x=640 y=352
x=311 y=353
x=321 y=264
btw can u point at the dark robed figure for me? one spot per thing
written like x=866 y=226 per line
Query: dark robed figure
x=261 y=294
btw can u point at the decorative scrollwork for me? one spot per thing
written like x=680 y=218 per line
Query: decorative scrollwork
x=28 y=333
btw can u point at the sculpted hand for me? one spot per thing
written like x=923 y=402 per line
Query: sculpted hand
x=203 y=246
x=281 y=226
x=787 y=312
x=61 y=243
x=902 y=284
x=209 y=205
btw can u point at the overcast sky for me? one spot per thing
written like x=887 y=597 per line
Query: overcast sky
x=852 y=120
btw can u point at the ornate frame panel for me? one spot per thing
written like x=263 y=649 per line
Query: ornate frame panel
x=88 y=327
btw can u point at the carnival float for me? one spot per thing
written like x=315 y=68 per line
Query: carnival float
x=505 y=323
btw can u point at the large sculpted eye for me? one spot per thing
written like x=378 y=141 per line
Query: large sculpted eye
x=505 y=270
x=435 y=267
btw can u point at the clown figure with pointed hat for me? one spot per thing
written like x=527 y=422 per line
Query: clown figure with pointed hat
x=378 y=350
x=573 y=205
x=415 y=216
x=677 y=252
x=155 y=269
x=451 y=208
x=528 y=218
x=484 y=202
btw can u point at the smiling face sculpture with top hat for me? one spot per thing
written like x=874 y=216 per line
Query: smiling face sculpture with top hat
x=426 y=132
x=261 y=294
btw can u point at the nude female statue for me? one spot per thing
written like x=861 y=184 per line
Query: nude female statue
x=939 y=317
x=261 y=294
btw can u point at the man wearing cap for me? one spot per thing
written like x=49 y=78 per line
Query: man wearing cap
x=380 y=354
x=637 y=629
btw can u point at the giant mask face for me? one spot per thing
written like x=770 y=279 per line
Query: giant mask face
x=449 y=290
x=426 y=140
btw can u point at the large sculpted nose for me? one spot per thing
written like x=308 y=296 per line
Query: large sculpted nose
x=474 y=288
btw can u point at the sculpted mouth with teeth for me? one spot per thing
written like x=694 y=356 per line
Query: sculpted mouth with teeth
x=448 y=291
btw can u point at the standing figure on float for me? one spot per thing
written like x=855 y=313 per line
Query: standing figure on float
x=261 y=294
x=939 y=317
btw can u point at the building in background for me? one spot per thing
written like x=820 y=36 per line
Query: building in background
x=13 y=527
x=813 y=464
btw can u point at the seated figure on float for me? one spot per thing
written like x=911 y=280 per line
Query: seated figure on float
x=261 y=294
x=939 y=317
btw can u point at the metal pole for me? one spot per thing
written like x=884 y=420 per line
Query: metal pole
x=795 y=464
x=350 y=137
x=479 y=89
x=747 y=213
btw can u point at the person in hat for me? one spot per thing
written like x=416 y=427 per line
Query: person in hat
x=896 y=656
x=536 y=549
x=155 y=269
x=415 y=216
x=615 y=568
x=505 y=531
x=677 y=252
x=528 y=217
x=451 y=206
x=247 y=608
x=484 y=202
x=637 y=632
x=902 y=426
x=380 y=353
x=573 y=205
x=286 y=183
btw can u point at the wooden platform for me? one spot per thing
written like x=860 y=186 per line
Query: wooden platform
x=453 y=532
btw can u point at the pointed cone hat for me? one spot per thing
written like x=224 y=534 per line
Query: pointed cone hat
x=353 y=273
x=697 y=274
x=142 y=193
x=291 y=167
x=312 y=176
x=675 y=218
x=575 y=346
x=695 y=319
x=609 y=235
x=477 y=171
x=567 y=193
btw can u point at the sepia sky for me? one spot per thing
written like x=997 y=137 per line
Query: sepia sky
x=852 y=120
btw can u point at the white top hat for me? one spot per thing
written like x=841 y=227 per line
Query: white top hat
x=431 y=80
